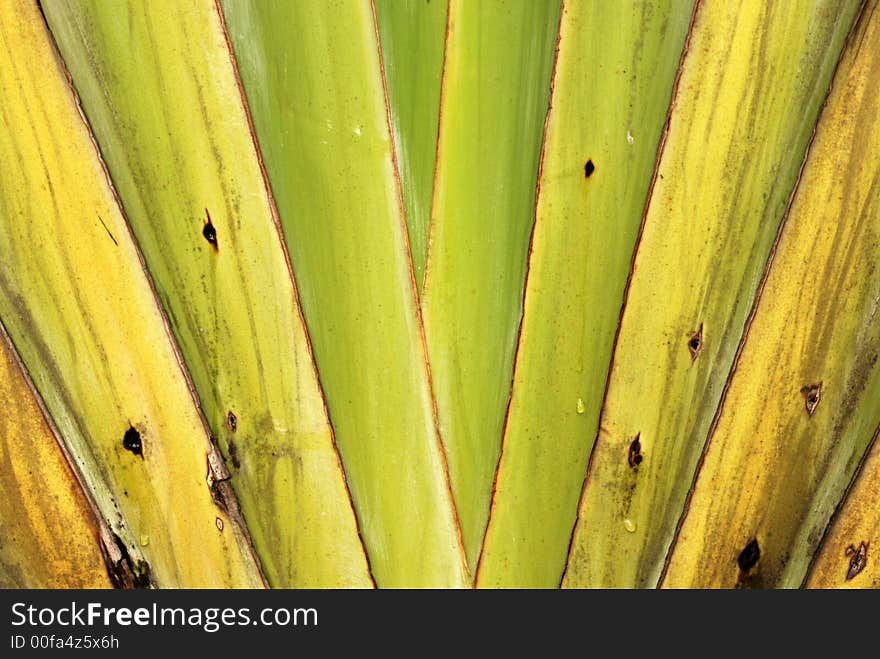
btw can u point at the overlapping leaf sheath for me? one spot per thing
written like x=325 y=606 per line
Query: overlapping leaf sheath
x=750 y=89
x=412 y=34
x=49 y=535
x=158 y=85
x=804 y=398
x=85 y=320
x=609 y=122
x=313 y=79
x=499 y=58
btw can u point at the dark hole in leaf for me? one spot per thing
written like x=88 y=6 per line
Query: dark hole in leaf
x=589 y=168
x=131 y=441
x=695 y=343
x=635 y=457
x=812 y=394
x=858 y=559
x=232 y=421
x=749 y=556
x=208 y=231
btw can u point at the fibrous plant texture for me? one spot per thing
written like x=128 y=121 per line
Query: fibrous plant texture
x=439 y=293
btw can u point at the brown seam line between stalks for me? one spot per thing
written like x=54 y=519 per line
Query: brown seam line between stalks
x=525 y=290
x=107 y=545
x=648 y=198
x=276 y=219
x=415 y=297
x=756 y=303
x=233 y=510
x=423 y=285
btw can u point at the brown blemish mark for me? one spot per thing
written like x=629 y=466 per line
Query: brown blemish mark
x=219 y=523
x=589 y=168
x=123 y=572
x=231 y=421
x=210 y=232
x=101 y=220
x=233 y=454
x=858 y=559
x=749 y=556
x=695 y=343
x=216 y=477
x=812 y=393
x=634 y=457
x=131 y=441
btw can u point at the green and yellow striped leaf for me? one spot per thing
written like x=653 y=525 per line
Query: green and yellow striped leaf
x=854 y=534
x=804 y=397
x=314 y=82
x=412 y=35
x=613 y=80
x=499 y=58
x=49 y=534
x=152 y=76
x=79 y=308
x=750 y=90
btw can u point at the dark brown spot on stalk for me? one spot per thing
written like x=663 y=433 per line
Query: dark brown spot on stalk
x=858 y=559
x=209 y=231
x=634 y=457
x=233 y=455
x=124 y=572
x=131 y=441
x=749 y=556
x=695 y=343
x=217 y=477
x=812 y=393
x=231 y=421
x=589 y=168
